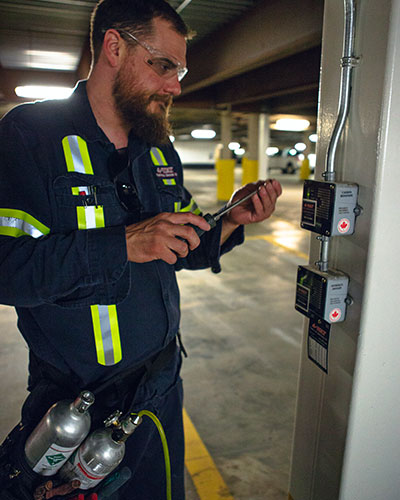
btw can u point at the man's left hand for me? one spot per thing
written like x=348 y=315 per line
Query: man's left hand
x=259 y=207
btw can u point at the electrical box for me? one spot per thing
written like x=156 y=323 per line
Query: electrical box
x=321 y=294
x=329 y=208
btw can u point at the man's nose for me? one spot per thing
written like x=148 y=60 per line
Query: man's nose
x=173 y=86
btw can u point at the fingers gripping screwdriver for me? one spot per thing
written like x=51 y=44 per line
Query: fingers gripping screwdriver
x=213 y=219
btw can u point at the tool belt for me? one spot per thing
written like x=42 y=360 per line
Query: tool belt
x=17 y=480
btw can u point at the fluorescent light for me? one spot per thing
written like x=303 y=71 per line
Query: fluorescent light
x=312 y=158
x=301 y=157
x=271 y=151
x=233 y=145
x=293 y=152
x=203 y=134
x=172 y=138
x=43 y=92
x=239 y=152
x=313 y=138
x=291 y=124
x=300 y=146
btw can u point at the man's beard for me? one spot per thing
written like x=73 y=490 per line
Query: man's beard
x=132 y=107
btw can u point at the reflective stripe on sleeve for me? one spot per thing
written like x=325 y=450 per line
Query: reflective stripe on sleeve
x=18 y=223
x=158 y=157
x=77 y=155
x=192 y=207
x=106 y=334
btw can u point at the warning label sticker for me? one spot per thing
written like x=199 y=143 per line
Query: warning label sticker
x=318 y=342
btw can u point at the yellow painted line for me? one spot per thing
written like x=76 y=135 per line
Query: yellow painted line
x=271 y=239
x=206 y=478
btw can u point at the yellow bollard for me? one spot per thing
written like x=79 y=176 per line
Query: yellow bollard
x=225 y=178
x=249 y=171
x=305 y=169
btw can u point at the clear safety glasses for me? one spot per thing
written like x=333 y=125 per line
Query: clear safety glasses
x=165 y=66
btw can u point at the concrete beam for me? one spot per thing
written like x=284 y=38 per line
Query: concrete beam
x=271 y=31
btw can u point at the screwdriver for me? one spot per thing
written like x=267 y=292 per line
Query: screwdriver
x=213 y=219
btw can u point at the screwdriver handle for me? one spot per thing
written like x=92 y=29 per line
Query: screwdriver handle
x=208 y=218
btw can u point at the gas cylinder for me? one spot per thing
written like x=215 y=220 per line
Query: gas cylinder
x=99 y=454
x=58 y=434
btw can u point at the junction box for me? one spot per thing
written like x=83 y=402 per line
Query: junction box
x=322 y=294
x=329 y=208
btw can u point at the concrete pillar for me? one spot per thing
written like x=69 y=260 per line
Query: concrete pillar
x=250 y=161
x=263 y=143
x=225 y=165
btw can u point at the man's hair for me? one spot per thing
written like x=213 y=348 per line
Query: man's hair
x=136 y=16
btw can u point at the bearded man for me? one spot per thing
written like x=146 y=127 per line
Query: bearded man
x=94 y=224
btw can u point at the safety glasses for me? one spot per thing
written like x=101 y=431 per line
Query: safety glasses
x=125 y=188
x=164 y=65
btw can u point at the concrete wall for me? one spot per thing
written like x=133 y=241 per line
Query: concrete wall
x=346 y=441
x=196 y=152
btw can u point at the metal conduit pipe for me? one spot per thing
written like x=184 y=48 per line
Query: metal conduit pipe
x=348 y=61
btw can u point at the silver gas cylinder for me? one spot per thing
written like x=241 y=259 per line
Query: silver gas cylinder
x=58 y=434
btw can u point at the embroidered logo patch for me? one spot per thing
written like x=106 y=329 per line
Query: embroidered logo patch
x=166 y=172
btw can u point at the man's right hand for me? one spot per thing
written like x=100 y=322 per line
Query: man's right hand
x=164 y=237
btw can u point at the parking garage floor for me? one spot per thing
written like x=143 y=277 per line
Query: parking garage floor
x=243 y=339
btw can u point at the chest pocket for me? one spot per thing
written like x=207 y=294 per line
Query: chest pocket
x=85 y=200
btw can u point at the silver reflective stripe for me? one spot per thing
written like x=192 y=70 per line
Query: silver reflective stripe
x=22 y=225
x=76 y=154
x=157 y=154
x=105 y=327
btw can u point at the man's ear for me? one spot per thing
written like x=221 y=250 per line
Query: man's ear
x=113 y=47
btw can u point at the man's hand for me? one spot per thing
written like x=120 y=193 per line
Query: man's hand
x=258 y=208
x=164 y=237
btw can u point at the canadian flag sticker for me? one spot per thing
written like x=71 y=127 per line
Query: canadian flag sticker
x=335 y=315
x=343 y=225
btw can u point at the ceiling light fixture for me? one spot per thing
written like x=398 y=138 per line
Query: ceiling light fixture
x=313 y=138
x=300 y=146
x=233 y=145
x=272 y=150
x=43 y=92
x=203 y=133
x=291 y=124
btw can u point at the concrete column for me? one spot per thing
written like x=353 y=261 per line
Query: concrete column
x=250 y=161
x=263 y=143
x=226 y=134
x=225 y=164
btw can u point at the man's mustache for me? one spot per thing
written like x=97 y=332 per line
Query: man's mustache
x=165 y=99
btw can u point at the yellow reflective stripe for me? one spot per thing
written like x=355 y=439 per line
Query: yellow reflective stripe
x=158 y=157
x=169 y=182
x=75 y=190
x=177 y=206
x=97 y=335
x=18 y=223
x=77 y=155
x=116 y=340
x=99 y=216
x=192 y=207
x=90 y=217
x=106 y=334
x=68 y=155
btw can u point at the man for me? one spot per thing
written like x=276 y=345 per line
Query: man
x=94 y=223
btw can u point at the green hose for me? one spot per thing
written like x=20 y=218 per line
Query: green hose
x=164 y=445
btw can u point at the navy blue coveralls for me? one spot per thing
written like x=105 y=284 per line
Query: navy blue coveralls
x=85 y=312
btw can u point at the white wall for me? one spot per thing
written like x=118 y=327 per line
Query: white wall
x=196 y=152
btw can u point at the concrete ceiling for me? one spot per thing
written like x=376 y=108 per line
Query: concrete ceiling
x=248 y=55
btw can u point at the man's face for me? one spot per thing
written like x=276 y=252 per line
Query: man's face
x=143 y=98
